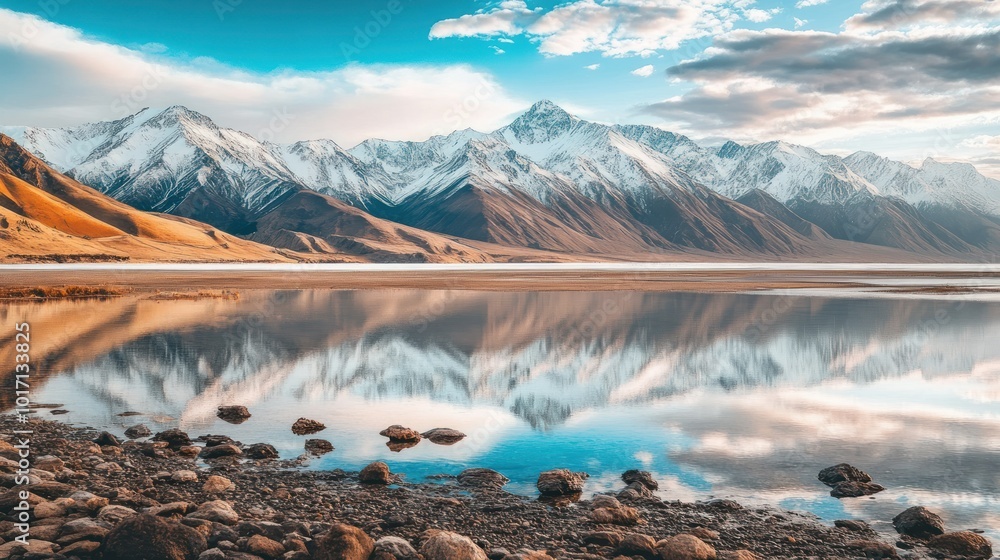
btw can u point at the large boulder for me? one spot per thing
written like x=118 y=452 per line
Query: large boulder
x=138 y=431
x=396 y=548
x=153 y=538
x=637 y=544
x=376 y=473
x=561 y=482
x=962 y=543
x=219 y=451
x=831 y=476
x=217 y=511
x=918 y=522
x=400 y=433
x=174 y=437
x=445 y=545
x=642 y=477
x=685 y=547
x=262 y=451
x=344 y=542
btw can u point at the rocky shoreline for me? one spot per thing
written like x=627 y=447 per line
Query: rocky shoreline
x=171 y=497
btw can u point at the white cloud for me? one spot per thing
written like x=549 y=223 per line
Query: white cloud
x=982 y=141
x=592 y=66
x=799 y=23
x=67 y=78
x=808 y=3
x=644 y=72
x=505 y=40
x=497 y=50
x=612 y=27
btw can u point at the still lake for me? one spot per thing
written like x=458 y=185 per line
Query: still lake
x=720 y=395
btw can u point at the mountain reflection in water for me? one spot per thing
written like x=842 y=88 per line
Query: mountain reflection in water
x=745 y=396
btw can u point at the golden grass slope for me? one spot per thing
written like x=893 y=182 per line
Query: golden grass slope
x=48 y=213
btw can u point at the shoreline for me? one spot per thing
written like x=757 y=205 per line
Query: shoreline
x=926 y=280
x=296 y=510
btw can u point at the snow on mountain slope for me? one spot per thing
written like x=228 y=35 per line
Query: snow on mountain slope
x=324 y=166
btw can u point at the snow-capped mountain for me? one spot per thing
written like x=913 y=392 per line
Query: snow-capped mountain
x=549 y=180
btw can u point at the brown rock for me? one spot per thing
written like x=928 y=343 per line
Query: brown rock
x=918 y=522
x=174 y=438
x=399 y=433
x=874 y=549
x=560 y=482
x=636 y=544
x=443 y=436
x=642 y=477
x=233 y=414
x=852 y=489
x=218 y=511
x=704 y=534
x=376 y=473
x=962 y=543
x=138 y=431
x=217 y=484
x=738 y=555
x=445 y=545
x=318 y=446
x=262 y=451
x=265 y=547
x=146 y=536
x=603 y=538
x=305 y=426
x=344 y=542
x=831 y=476
x=484 y=479
x=685 y=547
x=225 y=450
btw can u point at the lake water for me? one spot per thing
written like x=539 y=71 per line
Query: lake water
x=720 y=395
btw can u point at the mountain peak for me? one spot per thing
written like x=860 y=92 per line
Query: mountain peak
x=544 y=121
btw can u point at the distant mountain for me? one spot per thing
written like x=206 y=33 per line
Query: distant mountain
x=46 y=215
x=548 y=182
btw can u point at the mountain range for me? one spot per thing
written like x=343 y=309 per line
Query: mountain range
x=550 y=186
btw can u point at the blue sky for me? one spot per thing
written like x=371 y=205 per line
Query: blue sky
x=406 y=69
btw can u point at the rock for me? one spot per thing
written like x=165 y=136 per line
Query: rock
x=318 y=446
x=113 y=515
x=79 y=548
x=46 y=510
x=344 y=542
x=138 y=431
x=874 y=549
x=397 y=446
x=445 y=545
x=174 y=438
x=443 y=436
x=305 y=426
x=738 y=555
x=265 y=547
x=918 y=522
x=262 y=451
x=636 y=544
x=51 y=490
x=608 y=510
x=853 y=525
x=399 y=433
x=396 y=547
x=107 y=439
x=184 y=476
x=642 y=477
x=36 y=548
x=219 y=451
x=685 y=547
x=217 y=484
x=704 y=533
x=376 y=473
x=233 y=414
x=831 y=476
x=962 y=543
x=153 y=538
x=525 y=554
x=108 y=468
x=560 y=482
x=604 y=538
x=49 y=463
x=635 y=491
x=852 y=489
x=211 y=440
x=218 y=511
x=482 y=479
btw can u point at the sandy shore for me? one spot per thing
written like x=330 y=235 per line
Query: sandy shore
x=510 y=277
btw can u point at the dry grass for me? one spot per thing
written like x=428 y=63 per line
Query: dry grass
x=72 y=258
x=229 y=295
x=61 y=292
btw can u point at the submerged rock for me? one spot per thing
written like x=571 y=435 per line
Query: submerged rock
x=234 y=414
x=400 y=433
x=561 y=482
x=305 y=426
x=484 y=479
x=918 y=522
x=443 y=436
x=146 y=536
